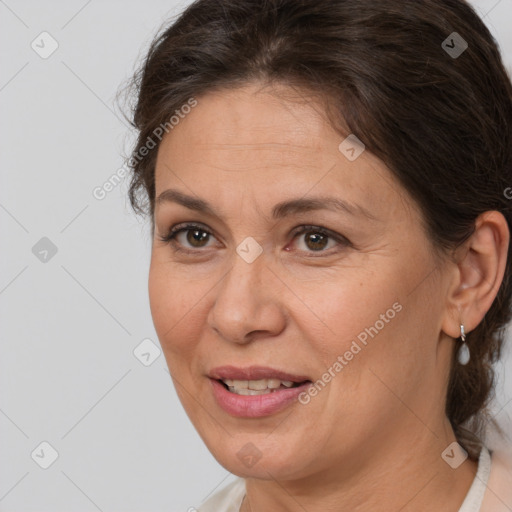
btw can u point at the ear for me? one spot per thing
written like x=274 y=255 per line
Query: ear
x=479 y=269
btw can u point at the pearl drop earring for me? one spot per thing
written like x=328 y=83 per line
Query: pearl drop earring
x=463 y=355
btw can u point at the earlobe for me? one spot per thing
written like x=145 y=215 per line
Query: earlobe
x=479 y=271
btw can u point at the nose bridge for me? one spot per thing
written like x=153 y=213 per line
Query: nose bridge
x=243 y=281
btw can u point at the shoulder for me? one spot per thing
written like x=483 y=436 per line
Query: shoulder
x=228 y=499
x=498 y=495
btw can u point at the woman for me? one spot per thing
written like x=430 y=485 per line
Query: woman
x=330 y=275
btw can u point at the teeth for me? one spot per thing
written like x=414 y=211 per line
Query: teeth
x=250 y=392
x=256 y=387
x=273 y=383
x=240 y=384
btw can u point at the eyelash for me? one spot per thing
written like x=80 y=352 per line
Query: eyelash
x=170 y=237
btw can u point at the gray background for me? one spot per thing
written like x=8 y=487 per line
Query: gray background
x=68 y=375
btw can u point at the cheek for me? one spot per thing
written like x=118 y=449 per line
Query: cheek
x=363 y=322
x=174 y=304
x=384 y=355
x=350 y=304
x=161 y=299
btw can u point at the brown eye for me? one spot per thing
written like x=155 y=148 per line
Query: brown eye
x=196 y=237
x=316 y=239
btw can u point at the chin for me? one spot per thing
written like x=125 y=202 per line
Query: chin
x=248 y=457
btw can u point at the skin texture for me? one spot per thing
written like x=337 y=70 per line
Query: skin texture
x=372 y=438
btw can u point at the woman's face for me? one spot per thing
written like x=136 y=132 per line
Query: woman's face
x=347 y=295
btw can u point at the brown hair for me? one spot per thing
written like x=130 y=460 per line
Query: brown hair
x=441 y=122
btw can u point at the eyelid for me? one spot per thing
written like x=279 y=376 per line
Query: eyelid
x=341 y=240
x=170 y=237
x=304 y=228
x=173 y=231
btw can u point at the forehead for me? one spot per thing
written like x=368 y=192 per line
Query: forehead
x=262 y=140
x=250 y=120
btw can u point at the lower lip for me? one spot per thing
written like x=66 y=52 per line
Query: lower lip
x=255 y=406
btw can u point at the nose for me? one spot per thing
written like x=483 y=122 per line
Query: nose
x=247 y=304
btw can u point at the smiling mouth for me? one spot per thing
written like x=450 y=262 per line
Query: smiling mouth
x=258 y=387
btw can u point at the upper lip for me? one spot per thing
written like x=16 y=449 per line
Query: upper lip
x=253 y=373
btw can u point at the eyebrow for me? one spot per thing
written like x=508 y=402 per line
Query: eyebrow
x=280 y=210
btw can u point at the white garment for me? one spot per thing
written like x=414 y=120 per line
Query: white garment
x=229 y=499
x=475 y=495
